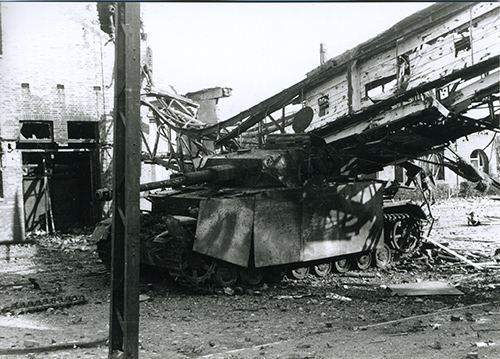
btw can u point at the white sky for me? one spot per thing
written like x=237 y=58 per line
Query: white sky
x=257 y=49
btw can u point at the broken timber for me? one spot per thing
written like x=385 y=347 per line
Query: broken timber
x=455 y=254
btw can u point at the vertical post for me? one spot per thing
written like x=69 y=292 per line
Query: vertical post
x=322 y=54
x=124 y=307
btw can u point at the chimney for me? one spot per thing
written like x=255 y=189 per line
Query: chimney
x=322 y=53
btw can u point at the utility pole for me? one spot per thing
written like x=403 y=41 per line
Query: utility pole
x=124 y=308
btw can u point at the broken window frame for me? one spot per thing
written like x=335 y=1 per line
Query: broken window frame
x=463 y=45
x=49 y=139
x=380 y=83
x=323 y=105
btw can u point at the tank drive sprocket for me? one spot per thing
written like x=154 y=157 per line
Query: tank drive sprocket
x=190 y=269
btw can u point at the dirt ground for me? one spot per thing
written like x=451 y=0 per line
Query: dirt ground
x=341 y=316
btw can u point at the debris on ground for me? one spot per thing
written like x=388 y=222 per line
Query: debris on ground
x=338 y=297
x=436 y=345
x=424 y=288
x=341 y=305
x=43 y=304
x=472 y=220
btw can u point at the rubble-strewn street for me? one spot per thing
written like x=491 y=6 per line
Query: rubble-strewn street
x=341 y=316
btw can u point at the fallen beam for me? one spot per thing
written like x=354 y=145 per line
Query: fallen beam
x=455 y=254
x=54 y=347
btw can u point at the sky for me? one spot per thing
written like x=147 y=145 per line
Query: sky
x=257 y=49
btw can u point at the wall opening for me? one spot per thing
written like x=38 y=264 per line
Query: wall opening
x=80 y=130
x=480 y=161
x=36 y=131
x=324 y=104
x=381 y=88
x=58 y=188
x=462 y=42
x=403 y=76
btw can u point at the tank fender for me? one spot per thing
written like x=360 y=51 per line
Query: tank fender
x=409 y=207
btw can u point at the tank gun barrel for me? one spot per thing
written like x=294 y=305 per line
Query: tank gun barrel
x=219 y=173
x=206 y=175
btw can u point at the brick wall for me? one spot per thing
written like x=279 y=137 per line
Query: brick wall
x=46 y=45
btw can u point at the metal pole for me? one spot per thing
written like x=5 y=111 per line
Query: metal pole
x=124 y=308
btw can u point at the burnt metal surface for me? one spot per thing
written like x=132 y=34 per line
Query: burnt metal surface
x=224 y=229
x=277 y=237
x=342 y=219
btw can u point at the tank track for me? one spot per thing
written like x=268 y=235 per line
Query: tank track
x=411 y=230
x=177 y=254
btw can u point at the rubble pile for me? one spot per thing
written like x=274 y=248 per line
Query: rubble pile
x=65 y=242
x=430 y=256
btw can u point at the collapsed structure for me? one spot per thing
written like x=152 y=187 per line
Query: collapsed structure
x=248 y=202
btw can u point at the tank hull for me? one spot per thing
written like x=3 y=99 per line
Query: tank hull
x=286 y=226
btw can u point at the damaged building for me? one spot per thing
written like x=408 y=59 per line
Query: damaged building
x=418 y=50
x=53 y=100
x=56 y=117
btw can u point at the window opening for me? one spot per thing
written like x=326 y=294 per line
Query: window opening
x=324 y=104
x=479 y=160
x=380 y=87
x=82 y=130
x=36 y=131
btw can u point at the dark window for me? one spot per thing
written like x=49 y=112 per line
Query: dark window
x=60 y=86
x=80 y=130
x=462 y=44
x=462 y=41
x=403 y=77
x=36 y=131
x=323 y=103
x=380 y=87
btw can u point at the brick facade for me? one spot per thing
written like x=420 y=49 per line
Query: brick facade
x=54 y=67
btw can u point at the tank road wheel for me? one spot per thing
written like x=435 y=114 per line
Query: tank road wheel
x=342 y=265
x=364 y=260
x=383 y=256
x=197 y=269
x=155 y=249
x=403 y=236
x=322 y=270
x=299 y=273
x=226 y=275
x=251 y=276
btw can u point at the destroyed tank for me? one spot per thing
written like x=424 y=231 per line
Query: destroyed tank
x=252 y=215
